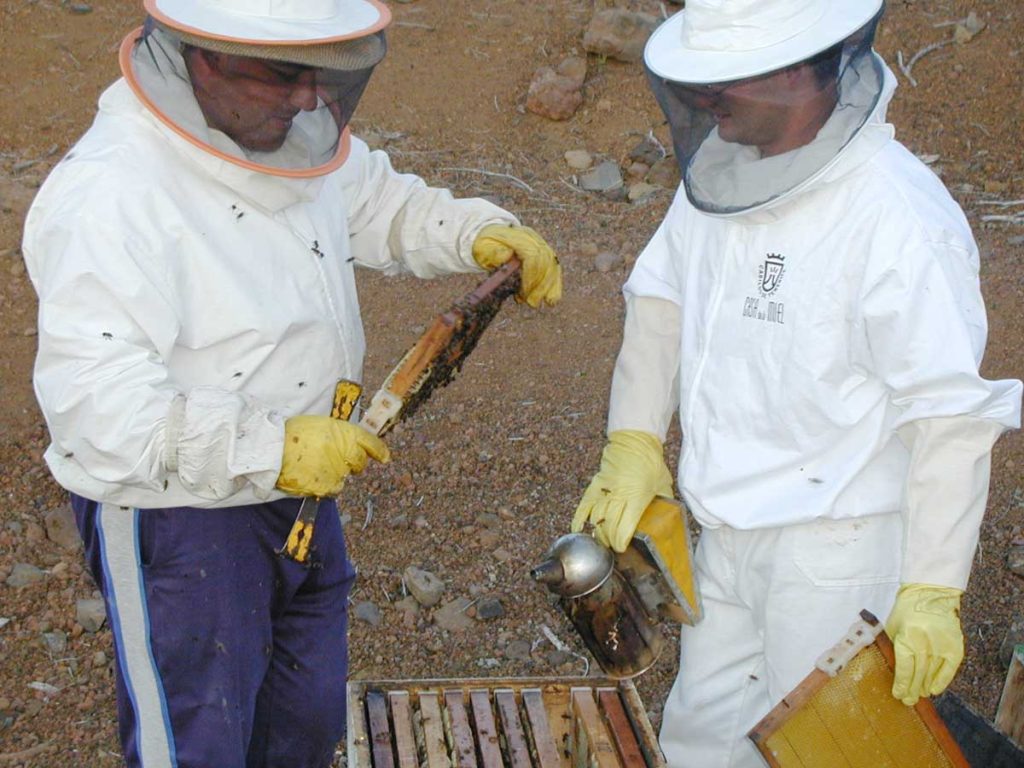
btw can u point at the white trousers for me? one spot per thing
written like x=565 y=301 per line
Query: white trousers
x=774 y=601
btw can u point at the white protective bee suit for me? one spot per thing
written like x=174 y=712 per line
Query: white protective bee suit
x=202 y=278
x=194 y=296
x=823 y=351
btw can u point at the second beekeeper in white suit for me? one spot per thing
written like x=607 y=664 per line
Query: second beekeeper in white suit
x=194 y=256
x=811 y=306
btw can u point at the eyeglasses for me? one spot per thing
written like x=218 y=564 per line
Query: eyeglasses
x=713 y=90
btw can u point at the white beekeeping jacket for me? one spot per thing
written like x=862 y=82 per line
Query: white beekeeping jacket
x=185 y=301
x=810 y=331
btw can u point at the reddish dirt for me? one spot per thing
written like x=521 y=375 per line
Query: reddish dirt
x=519 y=432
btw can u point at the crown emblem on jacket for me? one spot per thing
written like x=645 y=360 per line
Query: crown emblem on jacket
x=769 y=275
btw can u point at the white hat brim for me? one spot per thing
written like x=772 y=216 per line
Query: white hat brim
x=362 y=17
x=667 y=57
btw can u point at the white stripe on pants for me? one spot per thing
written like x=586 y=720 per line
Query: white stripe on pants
x=774 y=600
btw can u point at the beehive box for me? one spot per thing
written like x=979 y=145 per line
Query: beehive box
x=499 y=723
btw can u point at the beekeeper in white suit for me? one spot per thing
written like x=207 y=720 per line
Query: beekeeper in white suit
x=194 y=257
x=811 y=305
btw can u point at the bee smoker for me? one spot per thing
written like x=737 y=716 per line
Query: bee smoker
x=603 y=606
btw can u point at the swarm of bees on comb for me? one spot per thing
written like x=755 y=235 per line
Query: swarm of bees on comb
x=440 y=352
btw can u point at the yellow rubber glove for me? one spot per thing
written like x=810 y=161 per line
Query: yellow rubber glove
x=320 y=452
x=541 y=272
x=925 y=630
x=632 y=473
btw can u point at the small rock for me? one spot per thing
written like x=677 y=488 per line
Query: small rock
x=966 y=30
x=90 y=614
x=648 y=151
x=501 y=555
x=24 y=574
x=619 y=34
x=366 y=610
x=424 y=586
x=604 y=178
x=641 y=191
x=55 y=642
x=637 y=170
x=579 y=159
x=452 y=615
x=518 y=650
x=557 y=658
x=664 y=173
x=408 y=604
x=99 y=659
x=34 y=532
x=1015 y=560
x=80 y=8
x=489 y=608
x=552 y=95
x=61 y=528
x=488 y=663
x=574 y=68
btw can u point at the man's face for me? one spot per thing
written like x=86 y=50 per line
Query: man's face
x=252 y=100
x=776 y=113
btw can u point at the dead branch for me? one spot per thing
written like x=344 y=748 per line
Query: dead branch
x=1018 y=219
x=906 y=68
x=1001 y=203
x=515 y=180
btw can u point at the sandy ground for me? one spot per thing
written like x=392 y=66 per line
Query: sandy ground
x=489 y=471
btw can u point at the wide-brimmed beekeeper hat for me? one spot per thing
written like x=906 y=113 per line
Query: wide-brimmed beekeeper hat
x=336 y=34
x=714 y=41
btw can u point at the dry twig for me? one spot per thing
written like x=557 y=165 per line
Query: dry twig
x=1002 y=203
x=515 y=180
x=906 y=68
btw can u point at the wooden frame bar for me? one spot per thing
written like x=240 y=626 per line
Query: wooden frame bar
x=499 y=723
x=1010 y=715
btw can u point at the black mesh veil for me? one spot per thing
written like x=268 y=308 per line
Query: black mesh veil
x=282 y=108
x=743 y=143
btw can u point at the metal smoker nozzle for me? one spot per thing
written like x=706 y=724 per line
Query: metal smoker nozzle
x=575 y=565
x=549 y=572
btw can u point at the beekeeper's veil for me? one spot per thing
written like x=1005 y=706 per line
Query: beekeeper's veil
x=762 y=94
x=265 y=84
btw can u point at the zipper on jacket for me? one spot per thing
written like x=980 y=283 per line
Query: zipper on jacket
x=698 y=374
